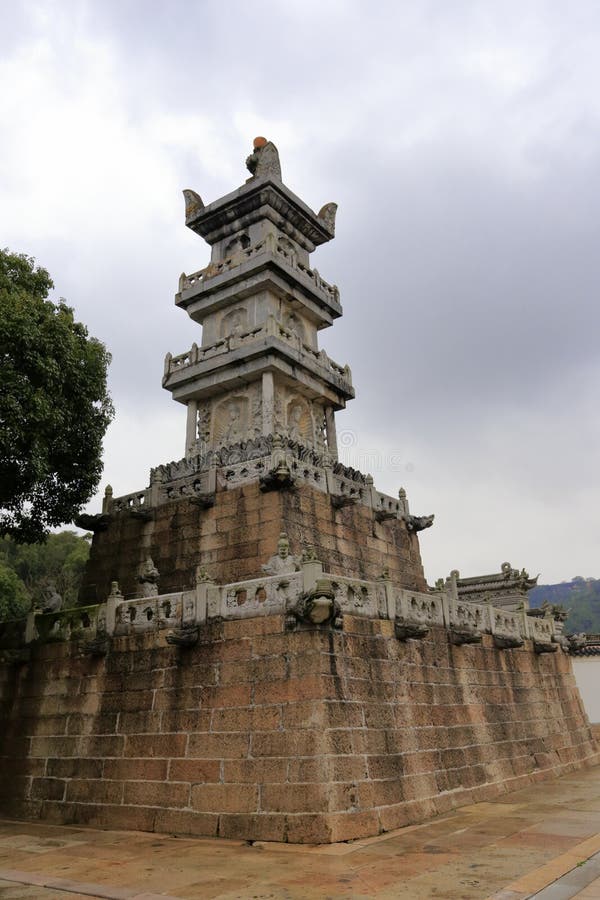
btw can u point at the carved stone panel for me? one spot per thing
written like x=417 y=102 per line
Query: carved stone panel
x=230 y=421
x=299 y=421
x=234 y=322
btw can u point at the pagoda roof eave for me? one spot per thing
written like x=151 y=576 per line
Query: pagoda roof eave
x=222 y=217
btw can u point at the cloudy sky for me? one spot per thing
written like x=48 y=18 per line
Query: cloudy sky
x=462 y=143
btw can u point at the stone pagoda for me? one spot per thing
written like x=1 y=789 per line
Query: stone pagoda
x=261 y=398
x=258 y=371
x=256 y=654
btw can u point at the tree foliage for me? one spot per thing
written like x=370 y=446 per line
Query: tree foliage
x=581 y=596
x=15 y=601
x=54 y=404
x=27 y=571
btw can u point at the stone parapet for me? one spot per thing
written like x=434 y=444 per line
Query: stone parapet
x=264 y=264
x=414 y=613
x=271 y=347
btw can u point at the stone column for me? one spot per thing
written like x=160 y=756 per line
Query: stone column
x=331 y=433
x=268 y=403
x=191 y=432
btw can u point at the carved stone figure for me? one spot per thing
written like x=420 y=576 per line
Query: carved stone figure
x=418 y=523
x=299 y=424
x=294 y=324
x=148 y=578
x=51 y=599
x=263 y=162
x=234 y=323
x=204 y=424
x=230 y=421
x=282 y=563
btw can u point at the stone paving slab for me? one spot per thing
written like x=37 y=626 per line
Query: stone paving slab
x=534 y=840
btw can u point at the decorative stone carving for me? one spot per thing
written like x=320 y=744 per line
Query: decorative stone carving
x=465 y=635
x=257 y=412
x=418 y=523
x=193 y=203
x=51 y=599
x=282 y=563
x=317 y=607
x=299 y=423
x=294 y=324
x=230 y=421
x=186 y=636
x=339 y=501
x=327 y=215
x=235 y=322
x=148 y=578
x=506 y=631
x=407 y=628
x=97 y=646
x=263 y=162
x=508 y=641
x=545 y=647
x=279 y=477
x=98 y=522
x=204 y=424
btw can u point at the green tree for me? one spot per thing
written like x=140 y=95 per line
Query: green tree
x=15 y=601
x=54 y=404
x=59 y=561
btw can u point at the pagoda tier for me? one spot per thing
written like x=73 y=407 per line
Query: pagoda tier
x=258 y=370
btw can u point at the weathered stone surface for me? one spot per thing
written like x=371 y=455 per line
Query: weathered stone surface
x=236 y=537
x=259 y=733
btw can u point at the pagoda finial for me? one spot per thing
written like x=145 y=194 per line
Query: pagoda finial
x=263 y=162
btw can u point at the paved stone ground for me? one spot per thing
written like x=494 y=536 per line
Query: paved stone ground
x=544 y=839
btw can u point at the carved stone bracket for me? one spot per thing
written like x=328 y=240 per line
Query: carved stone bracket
x=98 y=646
x=418 y=523
x=278 y=479
x=507 y=641
x=544 y=647
x=144 y=515
x=98 y=522
x=183 y=637
x=204 y=501
x=459 y=636
x=409 y=628
x=339 y=501
x=382 y=515
x=317 y=607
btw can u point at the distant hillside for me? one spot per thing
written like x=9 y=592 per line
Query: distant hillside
x=580 y=595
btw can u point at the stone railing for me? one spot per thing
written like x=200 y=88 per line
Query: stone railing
x=342 y=375
x=149 y=613
x=135 y=501
x=270 y=246
x=304 y=594
x=416 y=612
x=360 y=598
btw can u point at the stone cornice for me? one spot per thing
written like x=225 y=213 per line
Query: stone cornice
x=260 y=198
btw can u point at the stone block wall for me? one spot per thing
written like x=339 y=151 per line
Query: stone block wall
x=233 y=539
x=256 y=732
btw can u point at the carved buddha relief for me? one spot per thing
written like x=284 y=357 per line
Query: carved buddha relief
x=294 y=324
x=235 y=322
x=203 y=424
x=230 y=424
x=299 y=421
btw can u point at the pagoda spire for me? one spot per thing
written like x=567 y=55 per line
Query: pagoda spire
x=258 y=372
